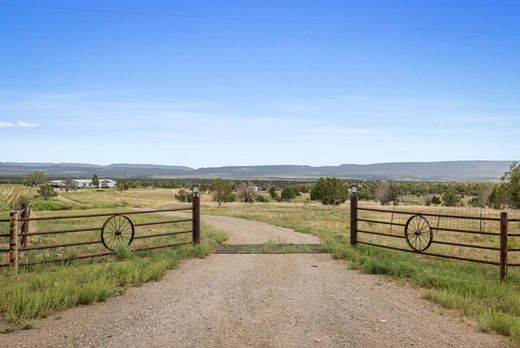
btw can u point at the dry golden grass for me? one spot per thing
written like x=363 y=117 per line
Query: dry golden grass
x=326 y=220
x=9 y=194
x=314 y=217
x=95 y=223
x=479 y=225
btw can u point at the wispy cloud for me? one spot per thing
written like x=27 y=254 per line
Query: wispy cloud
x=18 y=124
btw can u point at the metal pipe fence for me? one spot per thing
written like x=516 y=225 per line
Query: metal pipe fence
x=106 y=232
x=483 y=239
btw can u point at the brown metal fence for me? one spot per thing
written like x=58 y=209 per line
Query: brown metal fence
x=483 y=239
x=107 y=231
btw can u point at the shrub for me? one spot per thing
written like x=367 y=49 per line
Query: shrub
x=121 y=185
x=451 y=198
x=46 y=191
x=184 y=196
x=261 y=199
x=288 y=193
x=330 y=191
x=222 y=191
x=51 y=204
x=436 y=200
x=247 y=192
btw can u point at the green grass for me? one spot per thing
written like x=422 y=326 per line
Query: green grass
x=471 y=288
x=40 y=204
x=273 y=247
x=42 y=290
x=270 y=247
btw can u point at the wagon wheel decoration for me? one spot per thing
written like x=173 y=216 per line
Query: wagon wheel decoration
x=117 y=230
x=418 y=233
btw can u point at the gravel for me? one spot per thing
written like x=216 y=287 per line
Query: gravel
x=296 y=300
x=242 y=231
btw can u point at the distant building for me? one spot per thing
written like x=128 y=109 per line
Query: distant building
x=58 y=183
x=82 y=183
x=107 y=183
x=87 y=183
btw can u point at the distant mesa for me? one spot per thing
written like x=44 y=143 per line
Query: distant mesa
x=432 y=171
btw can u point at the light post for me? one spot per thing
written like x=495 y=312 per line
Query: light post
x=353 y=215
x=196 y=213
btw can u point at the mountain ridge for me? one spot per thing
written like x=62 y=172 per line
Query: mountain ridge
x=468 y=170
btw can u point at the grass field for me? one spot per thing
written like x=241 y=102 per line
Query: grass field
x=9 y=194
x=91 y=236
x=471 y=288
x=42 y=289
x=48 y=288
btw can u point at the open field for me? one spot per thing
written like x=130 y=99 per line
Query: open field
x=332 y=218
x=42 y=289
x=9 y=194
x=140 y=241
x=471 y=288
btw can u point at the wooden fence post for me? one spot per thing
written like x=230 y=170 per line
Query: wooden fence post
x=196 y=214
x=503 y=245
x=13 y=240
x=353 y=217
x=24 y=226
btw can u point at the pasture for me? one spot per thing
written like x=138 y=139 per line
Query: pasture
x=471 y=288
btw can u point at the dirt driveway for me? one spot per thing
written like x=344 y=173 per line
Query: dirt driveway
x=259 y=301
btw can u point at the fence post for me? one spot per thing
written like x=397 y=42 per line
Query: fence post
x=196 y=214
x=353 y=216
x=13 y=240
x=24 y=226
x=503 y=245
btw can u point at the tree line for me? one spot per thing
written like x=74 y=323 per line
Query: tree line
x=332 y=191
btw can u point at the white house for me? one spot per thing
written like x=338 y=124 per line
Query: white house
x=82 y=183
x=87 y=183
x=107 y=183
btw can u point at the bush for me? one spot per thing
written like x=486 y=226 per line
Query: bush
x=247 y=192
x=436 y=200
x=51 y=204
x=330 y=191
x=261 y=199
x=184 y=196
x=46 y=191
x=451 y=199
x=222 y=191
x=122 y=185
x=288 y=193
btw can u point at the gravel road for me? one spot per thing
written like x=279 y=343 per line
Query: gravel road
x=259 y=301
x=241 y=231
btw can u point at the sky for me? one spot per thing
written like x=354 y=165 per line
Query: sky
x=207 y=83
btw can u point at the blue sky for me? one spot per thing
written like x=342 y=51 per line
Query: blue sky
x=207 y=83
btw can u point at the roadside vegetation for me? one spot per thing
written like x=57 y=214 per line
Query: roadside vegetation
x=40 y=290
x=317 y=208
x=473 y=289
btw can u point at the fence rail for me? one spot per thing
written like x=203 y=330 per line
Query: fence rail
x=419 y=233
x=117 y=229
